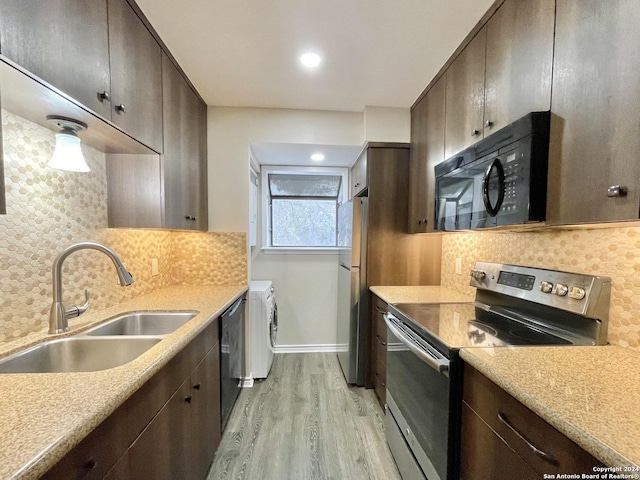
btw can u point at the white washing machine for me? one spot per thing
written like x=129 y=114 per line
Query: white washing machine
x=264 y=327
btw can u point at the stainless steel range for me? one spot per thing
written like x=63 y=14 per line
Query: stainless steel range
x=514 y=306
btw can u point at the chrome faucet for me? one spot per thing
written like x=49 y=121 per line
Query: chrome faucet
x=59 y=314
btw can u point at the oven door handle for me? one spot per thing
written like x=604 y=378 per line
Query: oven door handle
x=440 y=365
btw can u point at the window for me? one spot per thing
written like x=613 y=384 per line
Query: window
x=301 y=206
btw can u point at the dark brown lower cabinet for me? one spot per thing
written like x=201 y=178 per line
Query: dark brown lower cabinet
x=378 y=366
x=502 y=439
x=168 y=429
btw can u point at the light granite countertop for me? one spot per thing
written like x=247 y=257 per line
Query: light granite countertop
x=43 y=416
x=419 y=294
x=591 y=394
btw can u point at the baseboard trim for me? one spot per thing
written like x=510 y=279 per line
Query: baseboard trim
x=318 y=348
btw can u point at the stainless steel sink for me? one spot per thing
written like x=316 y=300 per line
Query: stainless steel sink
x=77 y=354
x=143 y=323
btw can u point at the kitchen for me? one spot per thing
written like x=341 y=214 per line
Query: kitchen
x=224 y=258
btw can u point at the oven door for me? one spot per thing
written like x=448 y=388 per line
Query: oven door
x=418 y=401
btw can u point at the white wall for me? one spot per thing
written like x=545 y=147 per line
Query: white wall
x=306 y=285
x=232 y=129
x=386 y=124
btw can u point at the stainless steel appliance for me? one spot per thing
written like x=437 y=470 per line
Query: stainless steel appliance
x=352 y=328
x=231 y=357
x=501 y=180
x=513 y=306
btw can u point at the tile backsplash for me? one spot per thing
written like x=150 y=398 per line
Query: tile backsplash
x=48 y=210
x=612 y=252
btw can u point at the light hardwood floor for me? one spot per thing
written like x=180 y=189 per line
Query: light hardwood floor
x=304 y=422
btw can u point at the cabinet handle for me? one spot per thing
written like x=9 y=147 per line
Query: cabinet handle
x=197 y=386
x=475 y=132
x=122 y=108
x=104 y=96
x=616 y=191
x=357 y=184
x=488 y=124
x=193 y=218
x=187 y=399
x=189 y=217
x=380 y=310
x=547 y=457
x=424 y=220
x=381 y=341
x=89 y=464
x=419 y=222
x=378 y=380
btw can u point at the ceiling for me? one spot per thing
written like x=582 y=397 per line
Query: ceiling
x=375 y=52
x=299 y=154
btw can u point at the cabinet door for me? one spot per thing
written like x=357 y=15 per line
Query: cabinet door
x=359 y=175
x=205 y=413
x=162 y=449
x=198 y=164
x=64 y=42
x=185 y=152
x=418 y=168
x=179 y=138
x=427 y=150
x=136 y=76
x=465 y=97
x=518 y=61
x=596 y=105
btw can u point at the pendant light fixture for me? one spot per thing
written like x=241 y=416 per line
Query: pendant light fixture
x=67 y=154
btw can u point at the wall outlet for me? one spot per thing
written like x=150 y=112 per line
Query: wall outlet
x=154 y=267
x=458 y=266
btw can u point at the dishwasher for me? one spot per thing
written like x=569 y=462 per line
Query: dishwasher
x=231 y=357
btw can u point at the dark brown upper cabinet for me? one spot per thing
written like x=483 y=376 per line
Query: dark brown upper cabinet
x=136 y=76
x=427 y=150
x=64 y=42
x=185 y=157
x=99 y=53
x=502 y=74
x=594 y=172
x=518 y=62
x=465 y=96
x=359 y=175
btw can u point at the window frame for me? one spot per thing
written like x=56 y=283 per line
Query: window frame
x=265 y=217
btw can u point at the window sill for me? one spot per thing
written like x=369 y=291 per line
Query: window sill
x=300 y=250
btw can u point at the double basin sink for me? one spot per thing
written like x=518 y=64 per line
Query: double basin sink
x=111 y=344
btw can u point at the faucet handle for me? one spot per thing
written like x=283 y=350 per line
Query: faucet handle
x=83 y=308
x=76 y=311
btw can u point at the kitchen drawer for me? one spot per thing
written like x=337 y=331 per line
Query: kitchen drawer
x=485 y=455
x=379 y=326
x=539 y=444
x=379 y=377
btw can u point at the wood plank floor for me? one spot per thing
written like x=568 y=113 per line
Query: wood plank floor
x=304 y=422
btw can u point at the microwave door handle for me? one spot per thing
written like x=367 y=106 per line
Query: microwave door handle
x=493 y=210
x=441 y=366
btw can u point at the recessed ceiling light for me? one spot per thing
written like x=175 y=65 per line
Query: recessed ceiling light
x=317 y=157
x=310 y=59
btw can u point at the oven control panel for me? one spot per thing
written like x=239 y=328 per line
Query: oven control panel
x=583 y=294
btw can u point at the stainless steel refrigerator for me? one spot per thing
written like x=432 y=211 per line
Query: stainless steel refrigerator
x=352 y=330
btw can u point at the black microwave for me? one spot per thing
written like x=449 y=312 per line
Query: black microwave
x=501 y=180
